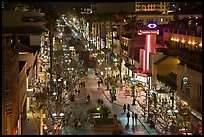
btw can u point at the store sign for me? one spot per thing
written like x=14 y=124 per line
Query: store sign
x=141 y=79
x=151 y=25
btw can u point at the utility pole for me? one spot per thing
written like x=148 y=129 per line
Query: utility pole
x=41 y=122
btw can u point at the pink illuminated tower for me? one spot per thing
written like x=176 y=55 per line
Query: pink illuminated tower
x=150 y=43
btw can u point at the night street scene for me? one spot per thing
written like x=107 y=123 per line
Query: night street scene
x=101 y=68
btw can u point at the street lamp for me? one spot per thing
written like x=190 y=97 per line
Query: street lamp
x=173 y=115
x=172 y=98
x=107 y=71
x=149 y=93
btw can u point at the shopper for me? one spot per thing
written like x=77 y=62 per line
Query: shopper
x=98 y=82
x=136 y=117
x=128 y=107
x=124 y=108
x=133 y=115
x=128 y=117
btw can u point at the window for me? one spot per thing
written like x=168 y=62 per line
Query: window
x=185 y=85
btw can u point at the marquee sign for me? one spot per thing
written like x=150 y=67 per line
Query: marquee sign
x=151 y=25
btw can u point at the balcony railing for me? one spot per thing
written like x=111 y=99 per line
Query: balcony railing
x=186 y=32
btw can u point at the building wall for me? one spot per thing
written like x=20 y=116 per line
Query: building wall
x=16 y=18
x=22 y=87
x=35 y=40
x=152 y=6
x=28 y=57
x=195 y=81
x=11 y=78
x=153 y=68
x=167 y=66
x=182 y=40
x=22 y=98
x=158 y=18
x=181 y=16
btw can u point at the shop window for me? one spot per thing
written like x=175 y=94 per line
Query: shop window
x=185 y=88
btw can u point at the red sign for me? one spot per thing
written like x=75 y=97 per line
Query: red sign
x=200 y=128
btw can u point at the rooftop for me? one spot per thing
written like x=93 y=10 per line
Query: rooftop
x=25 y=48
x=23 y=29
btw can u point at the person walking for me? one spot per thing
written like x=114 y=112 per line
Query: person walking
x=79 y=122
x=98 y=82
x=133 y=115
x=133 y=101
x=101 y=80
x=136 y=117
x=124 y=108
x=128 y=107
x=128 y=117
x=78 y=91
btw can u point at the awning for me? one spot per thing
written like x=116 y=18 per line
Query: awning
x=26 y=48
x=23 y=29
x=161 y=60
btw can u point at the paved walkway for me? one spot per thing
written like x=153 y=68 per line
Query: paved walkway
x=121 y=100
x=32 y=124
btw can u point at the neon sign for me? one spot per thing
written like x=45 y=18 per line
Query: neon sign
x=152 y=25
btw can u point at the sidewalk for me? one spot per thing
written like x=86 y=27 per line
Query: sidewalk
x=32 y=126
x=121 y=100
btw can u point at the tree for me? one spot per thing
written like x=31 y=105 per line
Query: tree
x=50 y=25
x=112 y=18
x=104 y=112
x=120 y=18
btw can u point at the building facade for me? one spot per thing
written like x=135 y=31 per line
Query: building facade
x=16 y=71
x=152 y=6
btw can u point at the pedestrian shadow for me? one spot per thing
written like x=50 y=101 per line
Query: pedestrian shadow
x=134 y=128
x=127 y=126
